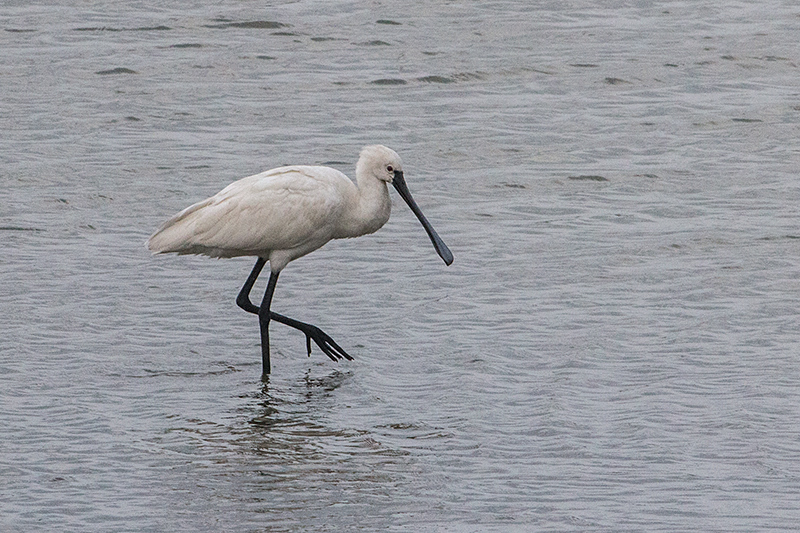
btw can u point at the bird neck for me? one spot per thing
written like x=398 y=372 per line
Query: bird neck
x=369 y=210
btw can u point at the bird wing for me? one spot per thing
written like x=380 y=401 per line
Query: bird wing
x=281 y=209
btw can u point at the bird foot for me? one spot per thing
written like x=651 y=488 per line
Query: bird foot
x=325 y=343
x=313 y=333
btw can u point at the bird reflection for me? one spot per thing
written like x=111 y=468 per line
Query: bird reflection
x=298 y=405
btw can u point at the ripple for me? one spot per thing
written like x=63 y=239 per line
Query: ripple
x=250 y=25
x=114 y=71
x=389 y=81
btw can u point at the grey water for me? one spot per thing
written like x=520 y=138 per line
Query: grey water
x=615 y=348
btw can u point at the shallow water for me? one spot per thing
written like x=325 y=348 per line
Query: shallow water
x=615 y=347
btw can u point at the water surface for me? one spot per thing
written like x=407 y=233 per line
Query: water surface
x=615 y=347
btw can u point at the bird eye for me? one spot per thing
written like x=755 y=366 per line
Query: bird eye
x=390 y=168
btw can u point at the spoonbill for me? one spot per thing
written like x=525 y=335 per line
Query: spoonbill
x=285 y=213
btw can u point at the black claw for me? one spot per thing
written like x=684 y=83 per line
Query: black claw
x=325 y=343
x=313 y=333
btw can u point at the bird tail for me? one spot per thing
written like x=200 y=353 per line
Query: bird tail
x=176 y=234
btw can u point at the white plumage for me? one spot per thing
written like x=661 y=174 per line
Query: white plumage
x=287 y=212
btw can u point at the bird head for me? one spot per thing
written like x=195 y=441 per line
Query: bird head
x=379 y=161
x=384 y=164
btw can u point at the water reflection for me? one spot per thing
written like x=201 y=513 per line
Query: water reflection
x=302 y=392
x=292 y=417
x=298 y=459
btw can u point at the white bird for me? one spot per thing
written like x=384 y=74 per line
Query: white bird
x=285 y=213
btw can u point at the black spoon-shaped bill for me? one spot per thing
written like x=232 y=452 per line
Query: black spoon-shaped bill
x=400 y=186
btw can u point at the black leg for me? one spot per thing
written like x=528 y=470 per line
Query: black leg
x=263 y=321
x=320 y=338
x=243 y=300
